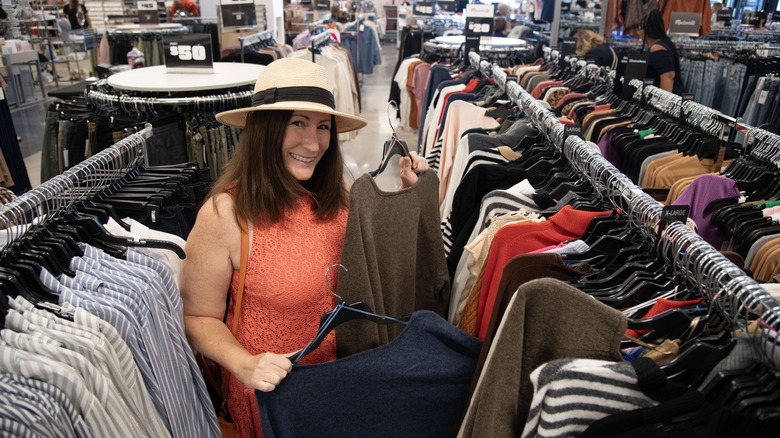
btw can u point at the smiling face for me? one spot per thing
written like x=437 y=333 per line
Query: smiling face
x=306 y=138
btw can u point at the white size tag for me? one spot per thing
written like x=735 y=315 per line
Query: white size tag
x=2 y=94
x=762 y=97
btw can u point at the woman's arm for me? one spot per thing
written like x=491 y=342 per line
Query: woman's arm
x=666 y=81
x=213 y=253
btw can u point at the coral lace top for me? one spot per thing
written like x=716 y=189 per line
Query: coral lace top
x=285 y=294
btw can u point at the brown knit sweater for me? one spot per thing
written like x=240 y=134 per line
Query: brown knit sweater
x=394 y=254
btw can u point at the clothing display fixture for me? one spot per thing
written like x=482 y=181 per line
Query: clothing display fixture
x=507 y=409
x=147 y=39
x=99 y=328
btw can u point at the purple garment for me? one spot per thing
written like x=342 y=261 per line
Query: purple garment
x=610 y=153
x=702 y=192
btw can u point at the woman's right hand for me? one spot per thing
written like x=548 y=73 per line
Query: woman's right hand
x=264 y=371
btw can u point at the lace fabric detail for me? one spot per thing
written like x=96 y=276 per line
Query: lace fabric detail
x=285 y=294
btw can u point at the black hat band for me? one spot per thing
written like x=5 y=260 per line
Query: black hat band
x=294 y=94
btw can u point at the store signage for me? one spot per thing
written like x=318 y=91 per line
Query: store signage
x=685 y=23
x=750 y=18
x=568 y=46
x=190 y=53
x=472 y=45
x=724 y=15
x=446 y=6
x=632 y=66
x=479 y=19
x=572 y=129
x=426 y=8
x=675 y=213
x=147 y=12
x=238 y=13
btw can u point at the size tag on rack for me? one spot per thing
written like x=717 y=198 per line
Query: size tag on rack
x=479 y=19
x=147 y=12
x=472 y=44
x=189 y=53
x=569 y=130
x=424 y=8
x=511 y=78
x=675 y=213
x=568 y=47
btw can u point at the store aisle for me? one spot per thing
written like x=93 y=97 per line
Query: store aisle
x=364 y=153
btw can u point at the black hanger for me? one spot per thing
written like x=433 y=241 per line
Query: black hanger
x=341 y=314
x=394 y=146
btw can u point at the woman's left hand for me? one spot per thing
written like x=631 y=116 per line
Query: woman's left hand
x=410 y=168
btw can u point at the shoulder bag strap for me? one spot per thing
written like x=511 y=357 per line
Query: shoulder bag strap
x=240 y=291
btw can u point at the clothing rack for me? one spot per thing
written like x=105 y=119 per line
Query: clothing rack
x=317 y=41
x=257 y=38
x=170 y=29
x=78 y=183
x=712 y=273
x=130 y=103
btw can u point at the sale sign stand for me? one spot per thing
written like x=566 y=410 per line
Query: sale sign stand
x=188 y=53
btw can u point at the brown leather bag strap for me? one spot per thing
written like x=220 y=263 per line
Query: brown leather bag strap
x=239 y=291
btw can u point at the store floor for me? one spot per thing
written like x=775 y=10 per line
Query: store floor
x=362 y=154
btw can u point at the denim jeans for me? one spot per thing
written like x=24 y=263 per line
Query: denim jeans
x=732 y=90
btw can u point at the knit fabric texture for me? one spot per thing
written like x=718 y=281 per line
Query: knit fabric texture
x=285 y=295
x=394 y=259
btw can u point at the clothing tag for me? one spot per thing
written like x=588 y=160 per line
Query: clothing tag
x=675 y=213
x=762 y=97
x=725 y=73
x=2 y=94
x=362 y=27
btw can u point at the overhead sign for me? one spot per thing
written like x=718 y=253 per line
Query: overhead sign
x=424 y=8
x=685 y=23
x=189 y=53
x=147 y=12
x=479 y=19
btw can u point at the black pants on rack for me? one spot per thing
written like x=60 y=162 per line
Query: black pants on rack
x=9 y=144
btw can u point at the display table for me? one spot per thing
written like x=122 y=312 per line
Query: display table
x=156 y=79
x=457 y=40
x=13 y=62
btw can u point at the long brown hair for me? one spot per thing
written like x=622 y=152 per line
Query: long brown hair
x=262 y=188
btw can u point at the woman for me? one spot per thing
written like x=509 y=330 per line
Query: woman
x=500 y=27
x=663 y=64
x=77 y=15
x=594 y=48
x=286 y=178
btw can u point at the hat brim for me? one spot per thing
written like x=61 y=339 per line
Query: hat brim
x=344 y=122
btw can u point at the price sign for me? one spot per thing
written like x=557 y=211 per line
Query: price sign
x=446 y=6
x=685 y=23
x=189 y=53
x=479 y=19
x=147 y=12
x=750 y=18
x=424 y=8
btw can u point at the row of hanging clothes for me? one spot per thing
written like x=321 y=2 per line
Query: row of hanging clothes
x=93 y=340
x=259 y=48
x=656 y=333
x=184 y=125
x=342 y=71
x=682 y=154
x=730 y=78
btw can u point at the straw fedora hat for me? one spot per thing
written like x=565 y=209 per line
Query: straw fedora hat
x=293 y=84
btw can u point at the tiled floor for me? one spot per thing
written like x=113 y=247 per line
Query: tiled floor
x=361 y=154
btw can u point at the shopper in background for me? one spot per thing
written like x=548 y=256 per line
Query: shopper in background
x=185 y=5
x=502 y=10
x=762 y=16
x=716 y=7
x=593 y=47
x=77 y=14
x=500 y=27
x=286 y=178
x=663 y=63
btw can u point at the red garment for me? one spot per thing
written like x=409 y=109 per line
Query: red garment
x=702 y=6
x=660 y=306
x=541 y=86
x=522 y=238
x=188 y=5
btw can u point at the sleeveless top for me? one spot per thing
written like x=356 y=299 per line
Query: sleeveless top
x=285 y=294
